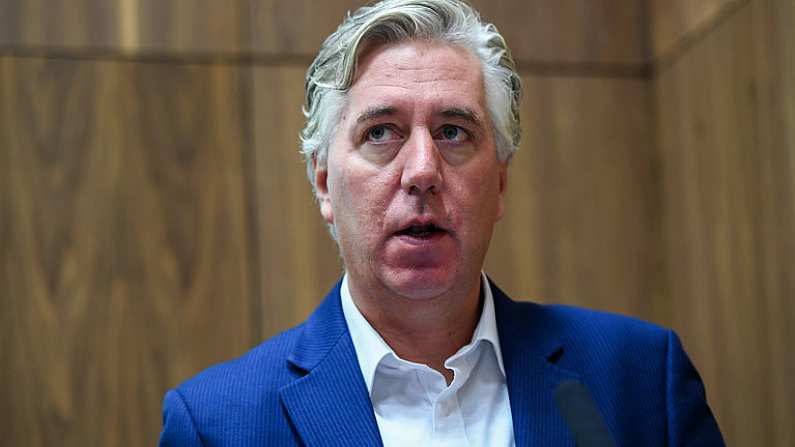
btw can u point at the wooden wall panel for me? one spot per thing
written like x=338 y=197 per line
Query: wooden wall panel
x=126 y=25
x=673 y=20
x=567 y=31
x=572 y=31
x=298 y=259
x=43 y=23
x=581 y=226
x=298 y=27
x=726 y=126
x=186 y=26
x=126 y=243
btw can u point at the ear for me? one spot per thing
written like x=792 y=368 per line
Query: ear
x=503 y=187
x=321 y=190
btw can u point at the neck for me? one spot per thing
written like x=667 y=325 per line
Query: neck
x=426 y=331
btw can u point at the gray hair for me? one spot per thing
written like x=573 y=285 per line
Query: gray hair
x=331 y=74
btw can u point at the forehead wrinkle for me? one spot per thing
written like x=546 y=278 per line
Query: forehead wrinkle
x=392 y=80
x=431 y=73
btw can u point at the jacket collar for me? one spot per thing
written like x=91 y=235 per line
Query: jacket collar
x=330 y=405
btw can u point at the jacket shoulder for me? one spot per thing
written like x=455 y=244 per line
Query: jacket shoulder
x=574 y=326
x=624 y=358
x=595 y=342
x=243 y=392
x=262 y=366
x=584 y=324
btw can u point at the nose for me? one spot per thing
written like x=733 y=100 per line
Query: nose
x=422 y=165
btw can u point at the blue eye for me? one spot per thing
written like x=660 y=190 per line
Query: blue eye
x=379 y=134
x=453 y=133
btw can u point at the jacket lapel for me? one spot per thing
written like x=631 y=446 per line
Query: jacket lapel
x=530 y=348
x=329 y=406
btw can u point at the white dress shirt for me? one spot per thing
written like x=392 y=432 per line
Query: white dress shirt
x=413 y=404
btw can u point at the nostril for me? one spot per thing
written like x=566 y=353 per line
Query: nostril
x=415 y=190
x=422 y=181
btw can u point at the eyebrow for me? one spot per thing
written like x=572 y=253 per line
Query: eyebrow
x=452 y=112
x=375 y=112
x=464 y=114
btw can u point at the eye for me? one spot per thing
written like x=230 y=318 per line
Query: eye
x=455 y=143
x=379 y=144
x=380 y=134
x=453 y=133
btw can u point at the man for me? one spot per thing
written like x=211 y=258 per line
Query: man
x=412 y=117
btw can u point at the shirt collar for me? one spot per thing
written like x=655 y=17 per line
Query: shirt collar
x=487 y=326
x=371 y=348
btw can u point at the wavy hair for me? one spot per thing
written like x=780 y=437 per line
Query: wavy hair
x=453 y=22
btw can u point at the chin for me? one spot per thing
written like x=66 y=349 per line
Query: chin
x=420 y=283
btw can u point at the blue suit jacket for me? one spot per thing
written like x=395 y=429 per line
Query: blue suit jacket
x=304 y=386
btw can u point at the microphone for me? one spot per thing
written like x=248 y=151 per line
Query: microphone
x=581 y=414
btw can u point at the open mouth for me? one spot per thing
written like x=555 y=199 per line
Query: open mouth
x=421 y=231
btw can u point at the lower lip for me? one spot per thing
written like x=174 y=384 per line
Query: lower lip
x=421 y=241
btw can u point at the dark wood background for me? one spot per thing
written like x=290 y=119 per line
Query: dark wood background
x=155 y=217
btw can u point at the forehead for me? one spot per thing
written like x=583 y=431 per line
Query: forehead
x=428 y=72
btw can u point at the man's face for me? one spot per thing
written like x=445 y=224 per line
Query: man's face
x=412 y=182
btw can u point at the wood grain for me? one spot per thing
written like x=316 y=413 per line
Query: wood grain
x=727 y=139
x=581 y=221
x=672 y=21
x=571 y=31
x=126 y=25
x=186 y=26
x=81 y=23
x=126 y=233
x=568 y=31
x=563 y=32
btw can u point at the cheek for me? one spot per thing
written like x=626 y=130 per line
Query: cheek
x=478 y=200
x=359 y=200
